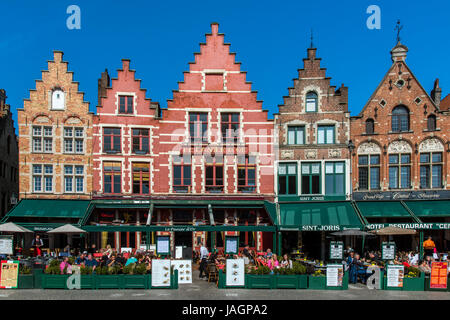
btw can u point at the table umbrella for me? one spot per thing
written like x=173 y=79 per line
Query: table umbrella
x=13 y=228
x=391 y=231
x=67 y=228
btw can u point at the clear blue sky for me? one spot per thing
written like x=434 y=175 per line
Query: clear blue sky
x=269 y=37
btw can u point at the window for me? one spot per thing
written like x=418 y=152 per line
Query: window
x=287 y=178
x=296 y=135
x=230 y=127
x=182 y=174
x=111 y=140
x=246 y=174
x=335 y=178
x=431 y=170
x=42 y=178
x=400 y=119
x=311 y=102
x=214 y=174
x=431 y=123
x=141 y=141
x=311 y=178
x=112 y=177
x=126 y=104
x=325 y=134
x=370 y=126
x=399 y=171
x=73 y=179
x=73 y=140
x=198 y=127
x=42 y=139
x=58 y=100
x=369 y=172
x=141 y=178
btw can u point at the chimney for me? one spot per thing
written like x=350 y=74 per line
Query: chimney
x=103 y=83
x=2 y=99
x=436 y=93
x=214 y=28
x=312 y=53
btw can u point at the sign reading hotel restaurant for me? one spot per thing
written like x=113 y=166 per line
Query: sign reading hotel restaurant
x=415 y=226
x=162 y=245
x=9 y=274
x=438 y=277
x=402 y=195
x=335 y=274
x=395 y=275
x=235 y=272
x=336 y=250
x=6 y=244
x=160 y=273
x=388 y=250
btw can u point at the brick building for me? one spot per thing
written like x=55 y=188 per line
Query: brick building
x=9 y=182
x=400 y=160
x=313 y=182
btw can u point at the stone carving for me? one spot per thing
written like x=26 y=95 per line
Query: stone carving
x=287 y=154
x=399 y=146
x=42 y=120
x=431 y=145
x=334 y=153
x=73 y=120
x=369 y=148
x=310 y=154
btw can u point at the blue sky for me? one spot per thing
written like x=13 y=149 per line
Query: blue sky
x=269 y=37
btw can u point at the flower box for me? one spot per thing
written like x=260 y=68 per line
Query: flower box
x=109 y=281
x=414 y=284
x=295 y=281
x=54 y=281
x=26 y=281
x=135 y=281
x=317 y=283
x=262 y=281
x=88 y=281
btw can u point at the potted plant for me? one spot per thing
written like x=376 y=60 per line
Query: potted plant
x=26 y=279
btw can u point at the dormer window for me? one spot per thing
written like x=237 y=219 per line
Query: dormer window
x=58 y=100
x=311 y=102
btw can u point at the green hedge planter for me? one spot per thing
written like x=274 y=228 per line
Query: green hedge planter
x=265 y=281
x=54 y=281
x=409 y=284
x=135 y=281
x=110 y=281
x=295 y=281
x=317 y=283
x=88 y=281
x=26 y=281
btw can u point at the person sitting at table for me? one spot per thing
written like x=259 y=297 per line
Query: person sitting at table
x=65 y=264
x=273 y=262
x=413 y=258
x=424 y=267
x=81 y=259
x=91 y=262
x=131 y=259
x=286 y=262
x=268 y=253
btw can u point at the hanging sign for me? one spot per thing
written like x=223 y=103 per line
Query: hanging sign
x=231 y=245
x=438 y=279
x=184 y=268
x=9 y=274
x=335 y=274
x=162 y=245
x=395 y=275
x=6 y=244
x=235 y=272
x=160 y=273
x=388 y=250
x=336 y=250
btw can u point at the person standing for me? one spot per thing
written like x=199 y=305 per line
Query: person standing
x=37 y=243
x=429 y=246
x=203 y=260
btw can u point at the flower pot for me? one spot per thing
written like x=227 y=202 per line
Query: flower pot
x=263 y=281
x=26 y=281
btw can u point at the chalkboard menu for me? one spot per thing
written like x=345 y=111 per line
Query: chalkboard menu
x=388 y=250
x=336 y=250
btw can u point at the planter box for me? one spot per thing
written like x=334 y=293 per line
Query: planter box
x=88 y=281
x=135 y=281
x=344 y=283
x=414 y=284
x=26 y=281
x=109 y=281
x=264 y=281
x=295 y=281
x=317 y=283
x=54 y=281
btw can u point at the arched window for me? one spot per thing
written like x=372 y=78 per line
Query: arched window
x=58 y=100
x=370 y=126
x=400 y=119
x=311 y=101
x=431 y=123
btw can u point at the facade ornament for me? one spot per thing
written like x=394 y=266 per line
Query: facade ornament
x=369 y=148
x=399 y=146
x=334 y=153
x=287 y=154
x=431 y=145
x=311 y=154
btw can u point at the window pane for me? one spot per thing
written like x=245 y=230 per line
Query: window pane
x=108 y=186
x=406 y=158
x=321 y=135
x=187 y=175
x=424 y=176
x=291 y=136
x=393 y=159
x=405 y=177
x=315 y=184
x=363 y=160
x=374 y=159
x=329 y=184
x=117 y=183
x=315 y=168
x=339 y=167
x=282 y=169
x=306 y=185
x=339 y=184
x=292 y=185
x=363 y=178
x=437 y=157
x=330 y=134
x=424 y=157
x=393 y=177
x=305 y=168
x=329 y=168
x=282 y=184
x=437 y=176
x=374 y=178
x=292 y=169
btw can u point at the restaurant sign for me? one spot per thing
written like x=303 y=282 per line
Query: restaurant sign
x=179 y=229
x=402 y=195
x=319 y=228
x=415 y=226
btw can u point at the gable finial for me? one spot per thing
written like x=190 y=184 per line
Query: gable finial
x=312 y=38
x=398 y=27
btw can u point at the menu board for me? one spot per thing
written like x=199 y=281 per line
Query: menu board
x=178 y=252
x=9 y=274
x=123 y=249
x=336 y=250
x=235 y=272
x=160 y=273
x=335 y=274
x=163 y=245
x=231 y=245
x=438 y=279
x=388 y=250
x=184 y=268
x=6 y=244
x=395 y=275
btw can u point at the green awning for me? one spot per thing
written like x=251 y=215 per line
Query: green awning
x=121 y=204
x=382 y=209
x=51 y=208
x=428 y=208
x=319 y=216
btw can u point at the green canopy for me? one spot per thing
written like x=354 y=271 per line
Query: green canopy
x=51 y=208
x=319 y=216
x=382 y=209
x=429 y=208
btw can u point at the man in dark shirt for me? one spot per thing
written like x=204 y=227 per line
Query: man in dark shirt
x=81 y=259
x=91 y=262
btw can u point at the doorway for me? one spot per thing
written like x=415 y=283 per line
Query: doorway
x=184 y=239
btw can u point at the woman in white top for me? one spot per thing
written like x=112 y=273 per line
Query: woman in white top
x=286 y=262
